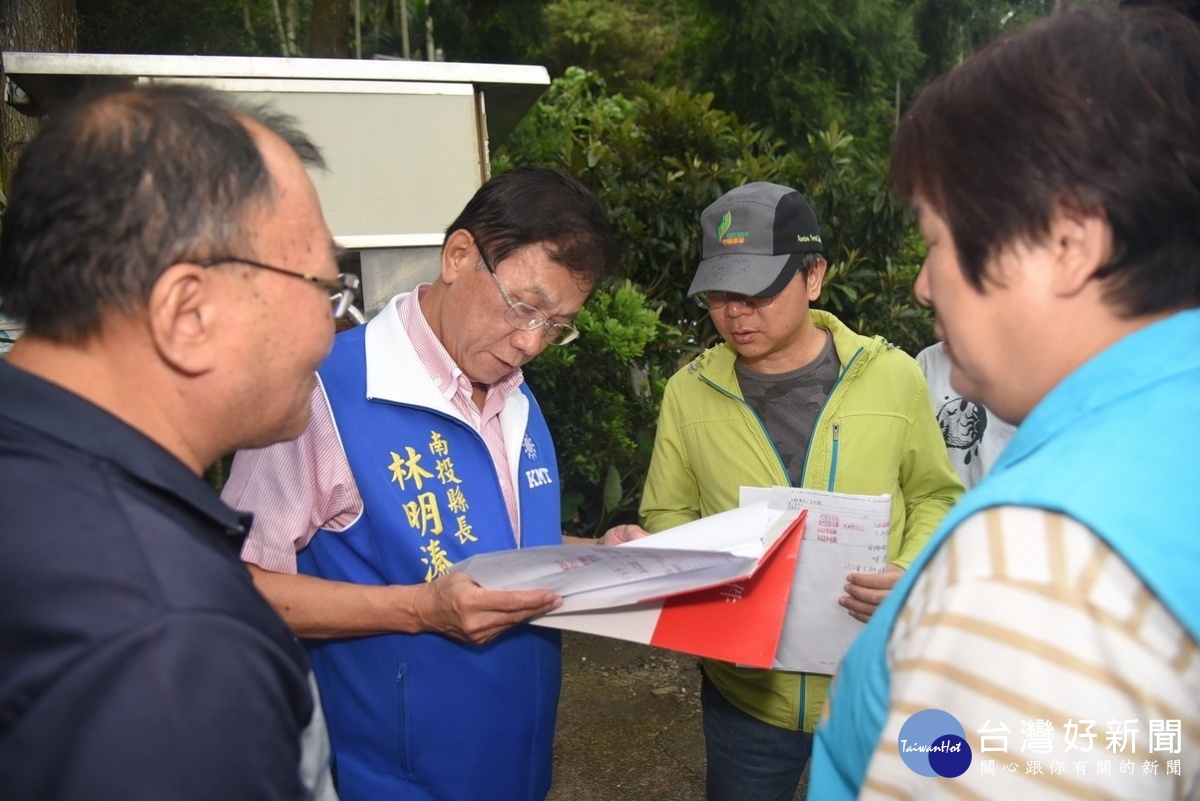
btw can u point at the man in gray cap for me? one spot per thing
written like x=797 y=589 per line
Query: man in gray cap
x=791 y=397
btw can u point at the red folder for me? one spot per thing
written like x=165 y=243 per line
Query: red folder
x=739 y=622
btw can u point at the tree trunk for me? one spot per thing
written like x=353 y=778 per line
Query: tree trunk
x=40 y=26
x=329 y=33
x=290 y=18
x=403 y=12
x=279 y=29
x=430 y=52
x=358 y=28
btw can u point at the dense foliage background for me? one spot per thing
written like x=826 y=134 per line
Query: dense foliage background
x=659 y=106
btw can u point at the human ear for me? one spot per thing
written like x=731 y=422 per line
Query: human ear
x=181 y=314
x=459 y=254
x=815 y=279
x=1082 y=244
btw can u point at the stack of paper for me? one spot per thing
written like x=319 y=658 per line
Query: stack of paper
x=757 y=585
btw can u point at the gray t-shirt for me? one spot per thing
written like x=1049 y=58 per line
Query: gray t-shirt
x=788 y=404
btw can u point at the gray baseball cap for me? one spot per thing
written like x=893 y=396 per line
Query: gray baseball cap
x=754 y=239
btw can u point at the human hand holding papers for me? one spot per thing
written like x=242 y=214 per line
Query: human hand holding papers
x=715 y=587
x=733 y=586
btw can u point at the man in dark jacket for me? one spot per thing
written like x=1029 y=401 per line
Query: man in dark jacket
x=169 y=259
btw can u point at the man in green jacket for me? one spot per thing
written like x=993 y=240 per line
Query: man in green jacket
x=792 y=398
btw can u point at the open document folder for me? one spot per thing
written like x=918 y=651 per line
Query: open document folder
x=705 y=553
x=778 y=607
x=715 y=587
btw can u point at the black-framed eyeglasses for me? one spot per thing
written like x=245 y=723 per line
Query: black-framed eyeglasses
x=341 y=290
x=717 y=300
x=523 y=317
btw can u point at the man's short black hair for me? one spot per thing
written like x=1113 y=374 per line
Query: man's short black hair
x=118 y=186
x=537 y=205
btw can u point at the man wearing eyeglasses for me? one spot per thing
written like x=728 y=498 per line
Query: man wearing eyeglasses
x=792 y=397
x=426 y=447
x=138 y=661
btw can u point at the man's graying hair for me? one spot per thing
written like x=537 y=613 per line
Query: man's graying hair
x=116 y=188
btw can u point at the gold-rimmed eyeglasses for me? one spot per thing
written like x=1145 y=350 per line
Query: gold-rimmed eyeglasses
x=341 y=290
x=523 y=317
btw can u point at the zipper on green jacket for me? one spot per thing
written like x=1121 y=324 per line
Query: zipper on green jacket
x=836 y=427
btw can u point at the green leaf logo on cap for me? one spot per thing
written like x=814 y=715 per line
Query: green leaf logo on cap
x=724 y=224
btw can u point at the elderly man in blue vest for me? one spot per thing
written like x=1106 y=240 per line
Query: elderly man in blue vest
x=426 y=447
x=1050 y=628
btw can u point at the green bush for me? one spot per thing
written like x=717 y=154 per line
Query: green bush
x=601 y=399
x=614 y=39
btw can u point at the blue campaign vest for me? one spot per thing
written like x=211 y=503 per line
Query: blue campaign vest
x=423 y=716
x=1115 y=446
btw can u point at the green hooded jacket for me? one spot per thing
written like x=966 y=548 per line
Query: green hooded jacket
x=876 y=434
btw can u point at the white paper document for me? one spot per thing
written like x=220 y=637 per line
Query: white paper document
x=845 y=534
x=705 y=553
x=644 y=591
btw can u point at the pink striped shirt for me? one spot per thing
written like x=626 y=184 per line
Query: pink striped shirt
x=295 y=488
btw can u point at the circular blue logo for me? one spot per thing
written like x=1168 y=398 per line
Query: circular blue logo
x=934 y=743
